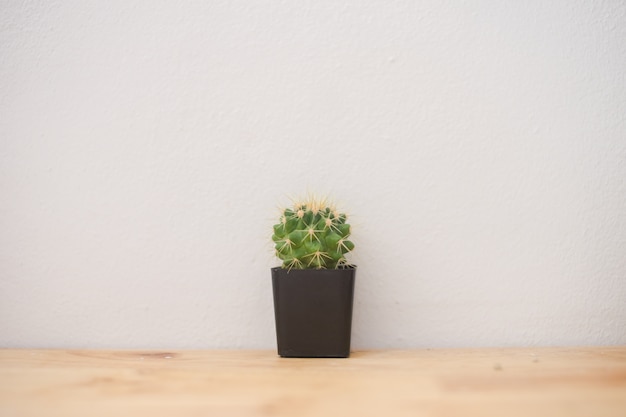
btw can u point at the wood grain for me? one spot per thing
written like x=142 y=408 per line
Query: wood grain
x=452 y=382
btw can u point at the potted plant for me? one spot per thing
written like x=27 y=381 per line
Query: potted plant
x=314 y=287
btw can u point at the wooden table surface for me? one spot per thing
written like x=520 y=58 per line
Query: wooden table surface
x=440 y=382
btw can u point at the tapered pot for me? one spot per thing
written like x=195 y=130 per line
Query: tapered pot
x=313 y=311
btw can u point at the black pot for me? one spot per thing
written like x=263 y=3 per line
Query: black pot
x=313 y=310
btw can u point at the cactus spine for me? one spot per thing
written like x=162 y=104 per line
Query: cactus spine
x=312 y=235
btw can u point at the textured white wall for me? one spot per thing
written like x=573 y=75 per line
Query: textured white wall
x=480 y=147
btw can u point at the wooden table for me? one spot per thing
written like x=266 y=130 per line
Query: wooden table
x=450 y=382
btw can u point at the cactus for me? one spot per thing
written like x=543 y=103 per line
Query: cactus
x=312 y=235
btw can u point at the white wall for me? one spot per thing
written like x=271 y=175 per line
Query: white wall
x=144 y=147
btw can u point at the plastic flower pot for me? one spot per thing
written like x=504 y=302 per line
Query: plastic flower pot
x=313 y=311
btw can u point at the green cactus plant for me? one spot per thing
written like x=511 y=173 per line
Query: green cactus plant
x=312 y=235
